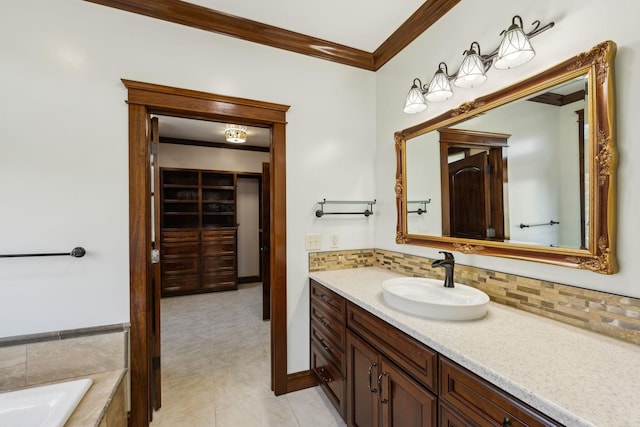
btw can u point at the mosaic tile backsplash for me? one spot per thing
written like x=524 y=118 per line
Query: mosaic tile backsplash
x=613 y=315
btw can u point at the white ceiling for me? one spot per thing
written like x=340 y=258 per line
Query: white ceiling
x=200 y=130
x=361 y=24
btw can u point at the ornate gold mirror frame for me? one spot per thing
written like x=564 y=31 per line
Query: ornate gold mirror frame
x=599 y=256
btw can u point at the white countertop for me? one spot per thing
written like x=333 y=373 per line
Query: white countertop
x=577 y=377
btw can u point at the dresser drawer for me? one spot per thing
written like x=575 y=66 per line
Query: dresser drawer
x=407 y=352
x=482 y=403
x=180 y=236
x=181 y=266
x=333 y=351
x=180 y=250
x=327 y=299
x=219 y=281
x=332 y=326
x=219 y=235
x=330 y=379
x=180 y=284
x=218 y=248
x=220 y=263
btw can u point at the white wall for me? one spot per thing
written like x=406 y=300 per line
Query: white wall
x=248 y=199
x=580 y=25
x=64 y=163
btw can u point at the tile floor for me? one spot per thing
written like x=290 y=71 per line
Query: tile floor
x=215 y=367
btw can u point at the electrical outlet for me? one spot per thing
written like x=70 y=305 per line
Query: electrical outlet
x=334 y=240
x=312 y=241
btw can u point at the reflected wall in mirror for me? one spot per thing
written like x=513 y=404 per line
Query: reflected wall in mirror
x=526 y=172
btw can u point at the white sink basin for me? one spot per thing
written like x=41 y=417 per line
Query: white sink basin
x=429 y=298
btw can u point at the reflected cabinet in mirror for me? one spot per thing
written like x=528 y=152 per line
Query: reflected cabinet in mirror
x=526 y=172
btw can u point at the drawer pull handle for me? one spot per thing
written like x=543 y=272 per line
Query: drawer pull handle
x=324 y=345
x=323 y=321
x=506 y=422
x=327 y=379
x=380 y=399
x=373 y=365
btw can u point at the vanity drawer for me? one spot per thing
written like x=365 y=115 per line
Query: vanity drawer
x=332 y=326
x=180 y=236
x=181 y=266
x=329 y=300
x=481 y=403
x=330 y=379
x=180 y=250
x=332 y=350
x=411 y=355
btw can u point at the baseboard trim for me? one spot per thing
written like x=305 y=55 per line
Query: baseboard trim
x=249 y=279
x=300 y=381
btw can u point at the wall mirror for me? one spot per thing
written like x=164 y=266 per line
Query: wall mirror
x=527 y=172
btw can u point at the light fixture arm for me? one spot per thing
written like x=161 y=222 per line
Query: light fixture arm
x=487 y=59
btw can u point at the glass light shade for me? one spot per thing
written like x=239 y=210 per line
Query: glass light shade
x=439 y=88
x=236 y=134
x=472 y=71
x=514 y=50
x=415 y=102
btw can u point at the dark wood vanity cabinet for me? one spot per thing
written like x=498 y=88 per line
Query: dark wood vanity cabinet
x=378 y=376
x=327 y=331
x=466 y=399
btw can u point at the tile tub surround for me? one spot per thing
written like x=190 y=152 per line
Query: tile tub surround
x=574 y=376
x=612 y=315
x=46 y=361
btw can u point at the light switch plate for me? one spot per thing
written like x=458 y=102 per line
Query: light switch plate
x=312 y=241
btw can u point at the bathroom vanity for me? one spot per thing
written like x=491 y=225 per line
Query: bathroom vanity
x=383 y=367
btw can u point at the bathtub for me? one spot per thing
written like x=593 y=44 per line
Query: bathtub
x=42 y=406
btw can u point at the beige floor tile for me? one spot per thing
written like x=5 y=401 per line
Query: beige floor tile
x=216 y=367
x=268 y=412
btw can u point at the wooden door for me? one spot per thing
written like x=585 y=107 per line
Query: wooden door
x=363 y=363
x=469 y=203
x=156 y=274
x=404 y=402
x=265 y=244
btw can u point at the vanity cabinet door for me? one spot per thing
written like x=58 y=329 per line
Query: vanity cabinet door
x=403 y=401
x=363 y=364
x=380 y=394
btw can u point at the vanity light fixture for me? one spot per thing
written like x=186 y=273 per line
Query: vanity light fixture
x=236 y=133
x=514 y=50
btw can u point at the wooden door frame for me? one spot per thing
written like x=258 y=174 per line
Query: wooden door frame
x=143 y=100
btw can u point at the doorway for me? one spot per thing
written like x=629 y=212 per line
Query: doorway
x=143 y=100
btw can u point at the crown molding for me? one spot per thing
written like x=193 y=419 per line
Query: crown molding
x=203 y=18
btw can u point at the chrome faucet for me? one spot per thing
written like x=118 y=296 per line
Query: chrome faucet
x=448 y=263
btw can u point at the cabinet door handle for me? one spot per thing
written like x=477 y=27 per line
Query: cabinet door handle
x=506 y=422
x=380 y=399
x=373 y=365
x=324 y=345
x=327 y=379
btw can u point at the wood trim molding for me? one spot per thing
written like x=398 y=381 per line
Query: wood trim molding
x=191 y=15
x=145 y=99
x=182 y=141
x=301 y=380
x=423 y=18
x=203 y=18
